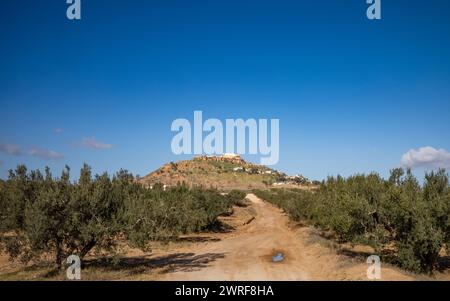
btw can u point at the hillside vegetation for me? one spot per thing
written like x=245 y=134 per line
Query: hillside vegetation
x=407 y=224
x=217 y=172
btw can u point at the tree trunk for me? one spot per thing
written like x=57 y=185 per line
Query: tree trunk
x=87 y=248
x=59 y=255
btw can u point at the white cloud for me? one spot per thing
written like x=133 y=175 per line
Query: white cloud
x=44 y=154
x=11 y=149
x=426 y=157
x=58 y=131
x=94 y=144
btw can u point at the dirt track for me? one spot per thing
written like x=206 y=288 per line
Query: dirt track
x=247 y=254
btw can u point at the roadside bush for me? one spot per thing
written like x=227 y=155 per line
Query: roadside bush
x=22 y=187
x=236 y=198
x=368 y=209
x=43 y=215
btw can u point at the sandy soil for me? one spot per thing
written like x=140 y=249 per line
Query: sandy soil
x=247 y=254
x=261 y=230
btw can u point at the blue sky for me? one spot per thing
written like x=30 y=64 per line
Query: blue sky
x=352 y=95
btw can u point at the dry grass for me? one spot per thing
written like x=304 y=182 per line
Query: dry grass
x=208 y=174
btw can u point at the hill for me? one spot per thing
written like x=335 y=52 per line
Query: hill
x=225 y=173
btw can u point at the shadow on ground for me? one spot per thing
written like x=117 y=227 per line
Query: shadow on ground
x=443 y=264
x=197 y=239
x=177 y=262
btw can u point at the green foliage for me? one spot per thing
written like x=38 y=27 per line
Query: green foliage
x=237 y=198
x=224 y=166
x=3 y=204
x=366 y=208
x=45 y=215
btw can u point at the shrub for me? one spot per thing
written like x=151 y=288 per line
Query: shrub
x=46 y=215
x=59 y=216
x=366 y=208
x=236 y=198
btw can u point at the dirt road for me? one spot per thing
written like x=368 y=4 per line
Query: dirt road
x=247 y=254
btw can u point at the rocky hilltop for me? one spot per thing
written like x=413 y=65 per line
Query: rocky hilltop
x=225 y=173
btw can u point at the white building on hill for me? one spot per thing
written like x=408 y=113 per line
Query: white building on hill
x=230 y=156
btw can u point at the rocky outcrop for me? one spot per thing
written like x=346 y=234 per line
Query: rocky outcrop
x=235 y=159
